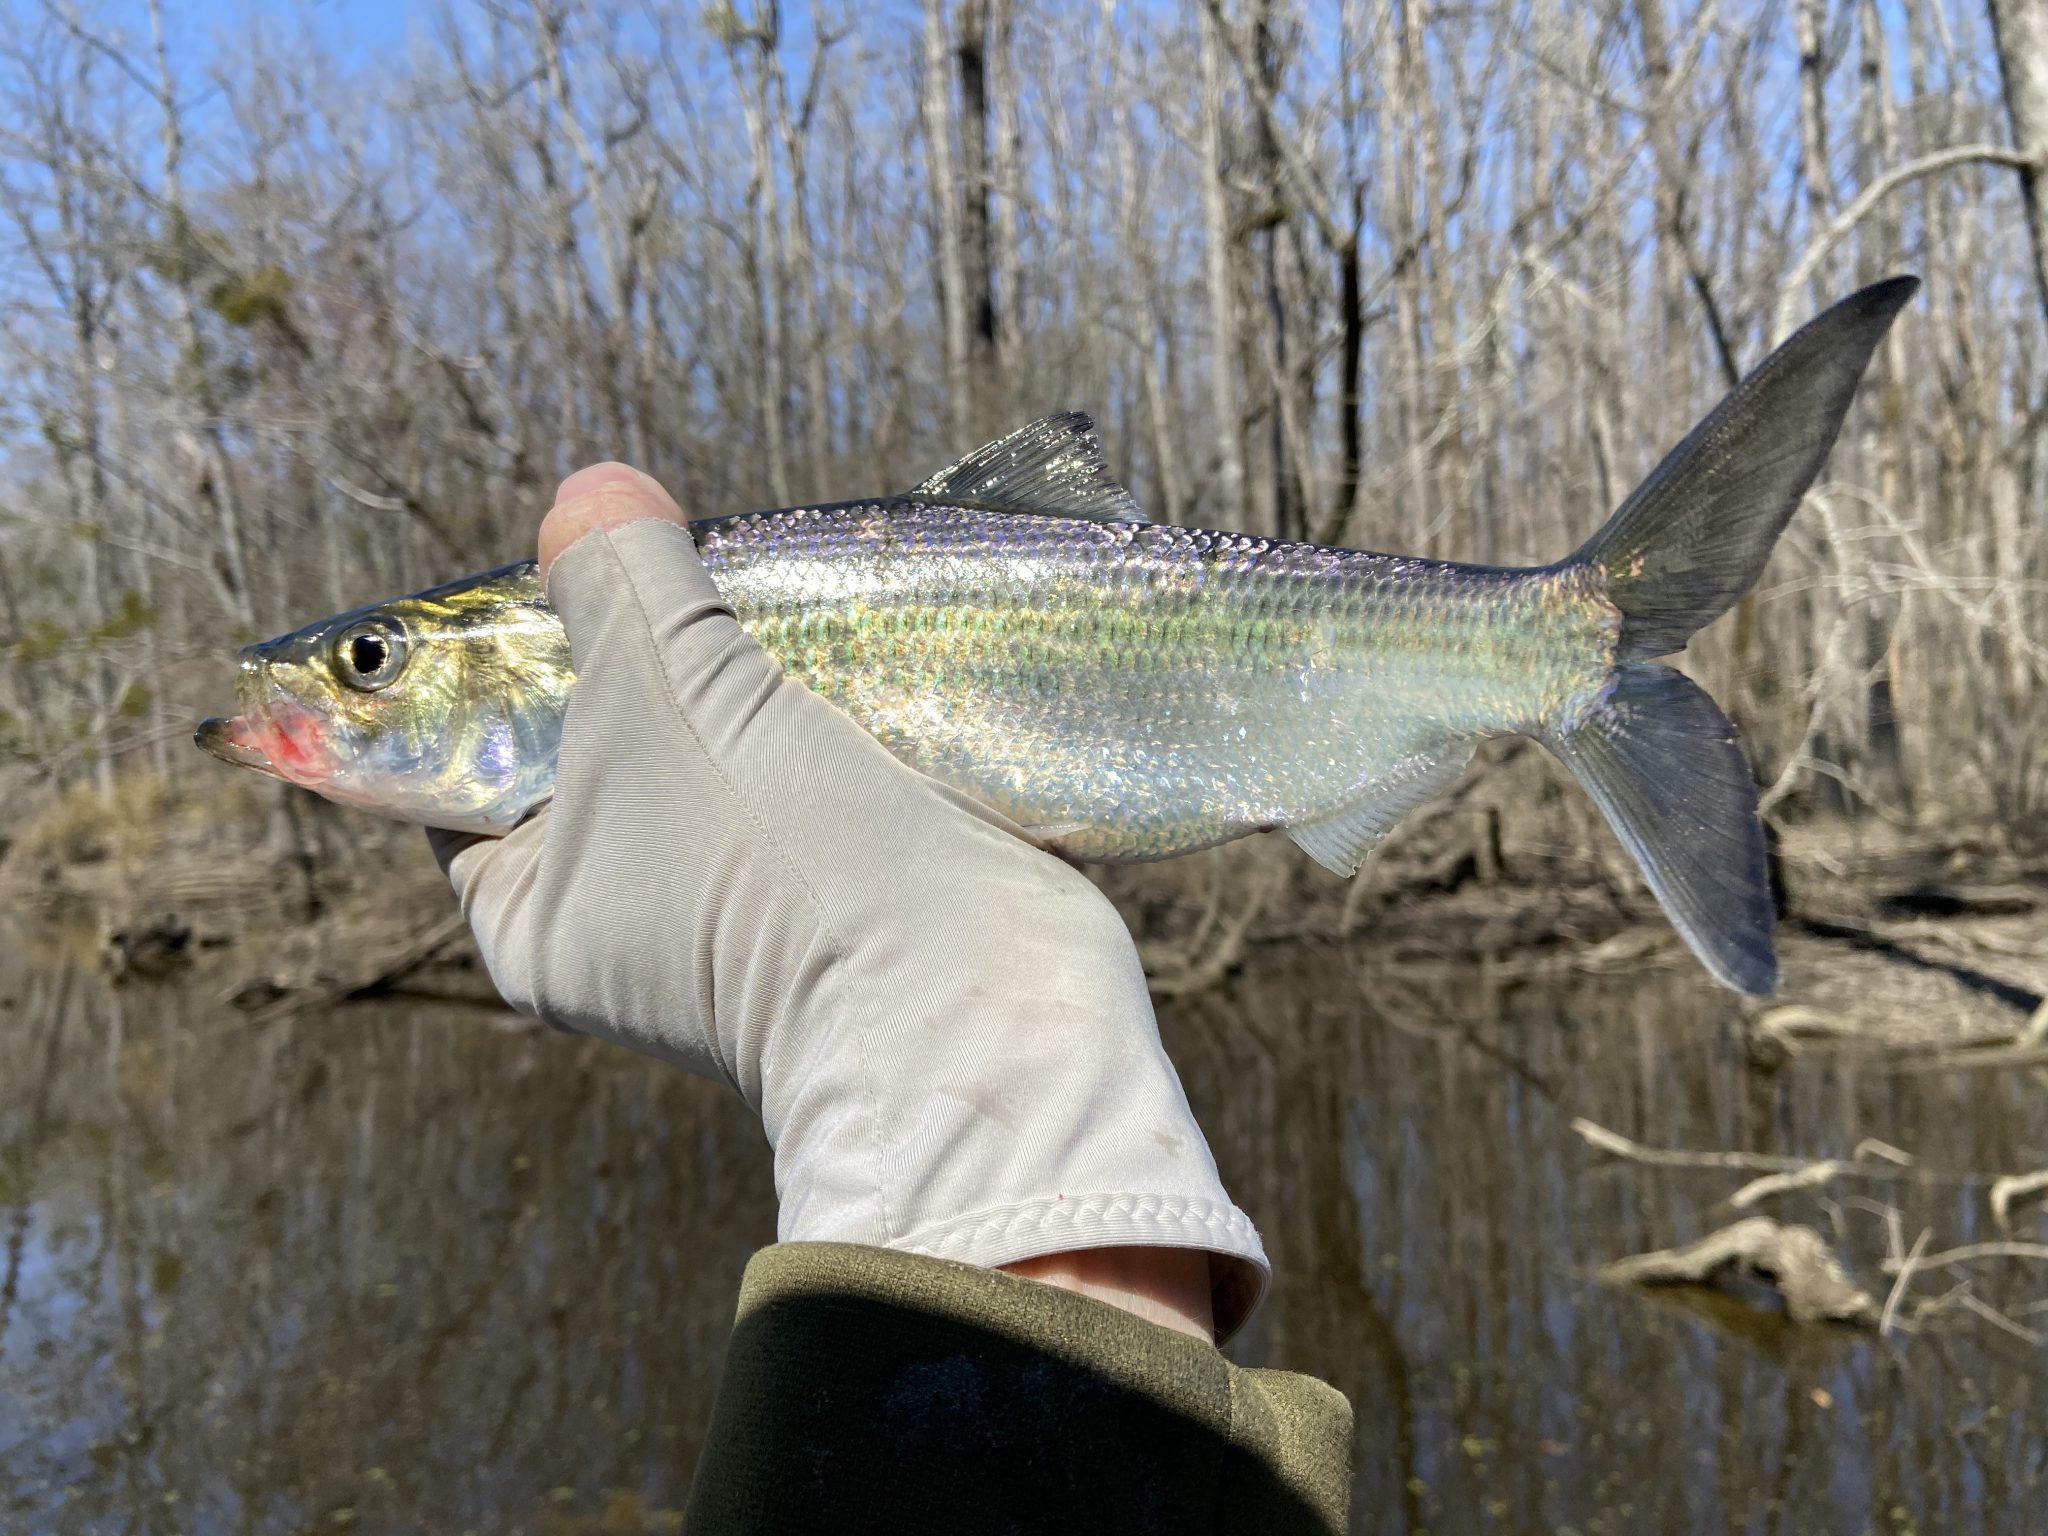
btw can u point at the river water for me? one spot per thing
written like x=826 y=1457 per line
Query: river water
x=409 y=1266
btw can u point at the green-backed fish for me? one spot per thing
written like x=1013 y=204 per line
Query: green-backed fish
x=1131 y=691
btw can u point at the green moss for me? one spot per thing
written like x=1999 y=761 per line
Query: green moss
x=253 y=297
x=132 y=614
x=39 y=640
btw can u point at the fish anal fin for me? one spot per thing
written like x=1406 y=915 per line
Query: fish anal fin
x=1340 y=841
x=1053 y=467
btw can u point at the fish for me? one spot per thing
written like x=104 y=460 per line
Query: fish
x=1125 y=690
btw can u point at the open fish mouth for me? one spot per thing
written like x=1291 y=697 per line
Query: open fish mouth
x=229 y=740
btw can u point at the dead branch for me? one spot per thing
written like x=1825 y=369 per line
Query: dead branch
x=1905 y=1278
x=1227 y=950
x=1812 y=1176
x=1976 y=1058
x=1795 y=1260
x=375 y=973
x=1617 y=1145
x=1793 y=288
x=2014 y=1186
x=1998 y=1319
x=1970 y=1252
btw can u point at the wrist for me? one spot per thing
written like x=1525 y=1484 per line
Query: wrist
x=1167 y=1286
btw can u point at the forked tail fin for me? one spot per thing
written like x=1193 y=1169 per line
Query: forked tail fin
x=1662 y=762
x=1694 y=536
x=1656 y=754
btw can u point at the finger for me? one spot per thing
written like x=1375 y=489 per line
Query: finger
x=494 y=879
x=601 y=496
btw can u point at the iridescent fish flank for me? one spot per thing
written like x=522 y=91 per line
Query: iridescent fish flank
x=1122 y=690
x=1227 y=683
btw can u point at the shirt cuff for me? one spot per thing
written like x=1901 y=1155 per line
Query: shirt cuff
x=867 y=1388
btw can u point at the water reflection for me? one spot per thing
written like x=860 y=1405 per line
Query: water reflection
x=399 y=1267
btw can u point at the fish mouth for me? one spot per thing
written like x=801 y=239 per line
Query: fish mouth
x=231 y=741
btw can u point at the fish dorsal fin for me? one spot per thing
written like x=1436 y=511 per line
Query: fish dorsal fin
x=1052 y=467
x=1340 y=841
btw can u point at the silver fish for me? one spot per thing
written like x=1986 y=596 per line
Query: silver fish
x=1124 y=690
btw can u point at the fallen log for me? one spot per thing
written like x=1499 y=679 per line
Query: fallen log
x=1795 y=1261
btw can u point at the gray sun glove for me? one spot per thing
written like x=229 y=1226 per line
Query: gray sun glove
x=945 y=1031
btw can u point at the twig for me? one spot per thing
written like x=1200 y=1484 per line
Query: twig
x=1971 y=1251
x=1618 y=1145
x=1934 y=1306
x=2014 y=1186
x=1226 y=952
x=1898 y=1291
x=1792 y=284
x=1789 y=1024
x=1976 y=1058
x=1998 y=1319
x=1812 y=1176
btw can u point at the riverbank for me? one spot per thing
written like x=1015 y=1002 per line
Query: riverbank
x=1924 y=939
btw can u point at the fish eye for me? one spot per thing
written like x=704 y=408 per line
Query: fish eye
x=370 y=655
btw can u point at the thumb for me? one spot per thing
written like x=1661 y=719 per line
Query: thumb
x=602 y=496
x=619 y=566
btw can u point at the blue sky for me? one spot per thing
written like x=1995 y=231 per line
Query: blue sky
x=357 y=31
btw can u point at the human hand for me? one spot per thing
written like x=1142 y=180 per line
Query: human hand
x=945 y=1030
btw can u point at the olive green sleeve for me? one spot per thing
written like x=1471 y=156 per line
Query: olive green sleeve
x=867 y=1389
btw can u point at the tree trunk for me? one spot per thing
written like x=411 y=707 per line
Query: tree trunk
x=764 y=256
x=1813 y=116
x=945 y=196
x=1009 y=186
x=977 y=265
x=1223 y=336
x=2020 y=30
x=1283 y=493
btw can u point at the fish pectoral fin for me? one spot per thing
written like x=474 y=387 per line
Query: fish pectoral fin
x=1054 y=467
x=1340 y=841
x=1056 y=836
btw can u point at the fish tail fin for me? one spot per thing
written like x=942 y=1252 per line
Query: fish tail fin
x=1694 y=536
x=1656 y=754
x=1663 y=764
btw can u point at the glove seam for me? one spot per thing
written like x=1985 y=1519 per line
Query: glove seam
x=1028 y=1229
x=840 y=949
x=1215 y=1218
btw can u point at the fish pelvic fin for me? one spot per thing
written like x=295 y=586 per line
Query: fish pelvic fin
x=1694 y=536
x=1664 y=765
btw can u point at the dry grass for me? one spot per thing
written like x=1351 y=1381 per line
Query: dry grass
x=83 y=825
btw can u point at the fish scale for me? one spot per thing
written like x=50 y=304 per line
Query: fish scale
x=1134 y=691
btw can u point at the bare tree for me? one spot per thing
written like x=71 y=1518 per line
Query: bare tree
x=1221 y=278
x=2020 y=28
x=1345 y=272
